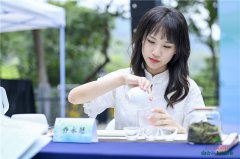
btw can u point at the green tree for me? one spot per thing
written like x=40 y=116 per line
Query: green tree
x=86 y=47
x=208 y=86
x=85 y=44
x=193 y=9
x=16 y=52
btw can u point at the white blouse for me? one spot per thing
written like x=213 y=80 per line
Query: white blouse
x=126 y=114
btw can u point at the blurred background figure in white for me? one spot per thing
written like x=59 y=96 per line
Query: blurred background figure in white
x=4 y=105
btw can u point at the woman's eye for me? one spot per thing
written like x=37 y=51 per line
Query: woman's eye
x=168 y=47
x=150 y=41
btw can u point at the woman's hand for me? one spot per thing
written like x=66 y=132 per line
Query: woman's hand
x=141 y=82
x=161 y=118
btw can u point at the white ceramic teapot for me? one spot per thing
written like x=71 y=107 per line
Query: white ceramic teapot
x=138 y=97
x=4 y=105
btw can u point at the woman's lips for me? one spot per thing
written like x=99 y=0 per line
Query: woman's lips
x=154 y=60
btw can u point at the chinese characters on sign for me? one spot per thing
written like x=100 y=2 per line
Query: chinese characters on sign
x=82 y=130
x=73 y=130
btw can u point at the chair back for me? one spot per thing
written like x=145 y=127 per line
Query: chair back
x=111 y=125
x=35 y=118
x=20 y=96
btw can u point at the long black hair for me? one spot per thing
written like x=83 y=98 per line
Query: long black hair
x=175 y=29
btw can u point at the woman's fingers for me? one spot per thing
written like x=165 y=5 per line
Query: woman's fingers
x=159 y=121
x=159 y=110
x=157 y=116
x=141 y=82
x=148 y=88
x=160 y=118
x=162 y=122
x=136 y=80
x=145 y=85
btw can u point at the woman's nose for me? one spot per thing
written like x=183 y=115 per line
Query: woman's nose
x=156 y=51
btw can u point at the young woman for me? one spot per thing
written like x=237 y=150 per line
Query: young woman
x=160 y=52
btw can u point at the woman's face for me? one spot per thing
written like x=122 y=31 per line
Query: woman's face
x=157 y=52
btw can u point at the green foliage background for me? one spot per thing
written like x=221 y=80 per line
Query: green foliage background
x=84 y=39
x=205 y=81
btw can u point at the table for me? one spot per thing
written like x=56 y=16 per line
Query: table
x=133 y=150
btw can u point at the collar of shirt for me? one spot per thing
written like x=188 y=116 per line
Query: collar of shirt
x=158 y=78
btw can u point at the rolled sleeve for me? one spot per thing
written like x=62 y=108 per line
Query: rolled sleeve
x=107 y=100
x=98 y=105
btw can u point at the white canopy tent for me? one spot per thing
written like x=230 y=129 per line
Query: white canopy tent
x=19 y=15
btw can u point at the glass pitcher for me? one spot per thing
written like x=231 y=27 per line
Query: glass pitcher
x=207 y=131
x=212 y=116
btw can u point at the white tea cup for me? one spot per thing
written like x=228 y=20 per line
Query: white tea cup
x=131 y=133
